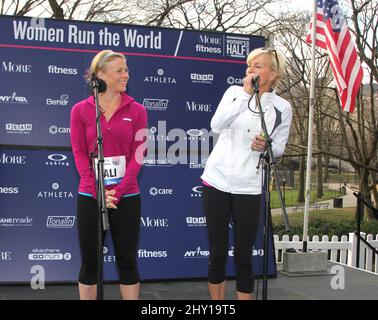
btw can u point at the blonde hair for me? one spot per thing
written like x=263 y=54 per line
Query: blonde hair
x=277 y=61
x=102 y=58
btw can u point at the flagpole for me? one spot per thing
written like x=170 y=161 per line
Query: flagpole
x=310 y=126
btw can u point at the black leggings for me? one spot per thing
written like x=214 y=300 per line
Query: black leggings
x=124 y=225
x=219 y=206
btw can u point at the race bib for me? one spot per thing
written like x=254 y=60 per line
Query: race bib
x=114 y=169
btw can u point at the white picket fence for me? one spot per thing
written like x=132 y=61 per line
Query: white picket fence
x=341 y=250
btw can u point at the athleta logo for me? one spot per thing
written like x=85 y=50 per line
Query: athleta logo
x=160 y=78
x=54 y=193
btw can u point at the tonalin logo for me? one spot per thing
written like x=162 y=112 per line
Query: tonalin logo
x=60 y=222
x=49 y=255
x=10 y=66
x=197 y=253
x=160 y=191
x=62 y=101
x=14 y=98
x=16 y=222
x=237 y=47
x=58 y=130
x=12 y=159
x=209 y=44
x=232 y=81
x=62 y=70
x=160 y=78
x=18 y=128
x=57 y=159
x=55 y=193
x=155 y=104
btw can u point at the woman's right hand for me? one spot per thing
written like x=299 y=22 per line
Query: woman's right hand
x=109 y=199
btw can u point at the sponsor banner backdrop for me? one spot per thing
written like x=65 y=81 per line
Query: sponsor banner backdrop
x=179 y=76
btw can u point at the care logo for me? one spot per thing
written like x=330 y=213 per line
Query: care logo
x=232 y=81
x=160 y=191
x=58 y=130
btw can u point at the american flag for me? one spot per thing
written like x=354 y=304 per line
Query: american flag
x=332 y=34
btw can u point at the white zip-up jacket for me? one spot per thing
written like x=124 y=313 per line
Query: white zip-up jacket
x=231 y=166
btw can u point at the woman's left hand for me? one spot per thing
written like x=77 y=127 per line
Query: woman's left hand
x=258 y=143
x=109 y=199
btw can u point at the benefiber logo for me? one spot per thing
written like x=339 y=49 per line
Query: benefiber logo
x=7 y=159
x=13 y=98
x=154 y=222
x=9 y=66
x=155 y=104
x=63 y=101
x=54 y=130
x=231 y=81
x=237 y=47
x=198 y=253
x=18 y=128
x=198 y=107
x=143 y=253
x=157 y=191
x=16 y=222
x=62 y=70
x=60 y=221
x=49 y=254
x=57 y=159
x=8 y=190
x=197 y=192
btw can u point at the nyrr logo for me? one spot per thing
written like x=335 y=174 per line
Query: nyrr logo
x=60 y=221
x=58 y=130
x=198 y=253
x=231 y=81
x=62 y=101
x=237 y=47
x=159 y=191
x=14 y=98
x=196 y=192
x=160 y=78
x=9 y=66
x=57 y=159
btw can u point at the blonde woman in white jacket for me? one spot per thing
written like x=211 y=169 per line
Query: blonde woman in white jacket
x=232 y=184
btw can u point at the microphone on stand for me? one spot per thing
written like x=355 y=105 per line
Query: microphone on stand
x=255 y=80
x=98 y=83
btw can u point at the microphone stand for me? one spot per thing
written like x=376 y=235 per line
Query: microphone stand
x=360 y=209
x=103 y=219
x=269 y=164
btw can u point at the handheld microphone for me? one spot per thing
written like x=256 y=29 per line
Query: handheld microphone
x=255 y=79
x=98 y=83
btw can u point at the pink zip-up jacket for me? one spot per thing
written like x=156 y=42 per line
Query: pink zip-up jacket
x=124 y=134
